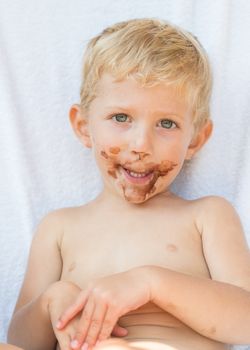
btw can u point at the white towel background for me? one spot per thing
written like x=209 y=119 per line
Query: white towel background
x=44 y=167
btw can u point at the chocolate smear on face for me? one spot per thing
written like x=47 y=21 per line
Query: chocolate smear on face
x=165 y=167
x=111 y=160
x=139 y=193
x=153 y=189
x=104 y=155
x=136 y=193
x=112 y=173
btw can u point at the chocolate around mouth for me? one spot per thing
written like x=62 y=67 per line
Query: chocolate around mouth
x=139 y=194
x=161 y=169
x=132 y=192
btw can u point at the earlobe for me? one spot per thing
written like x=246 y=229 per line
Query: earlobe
x=200 y=139
x=79 y=123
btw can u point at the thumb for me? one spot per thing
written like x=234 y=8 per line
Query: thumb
x=119 y=331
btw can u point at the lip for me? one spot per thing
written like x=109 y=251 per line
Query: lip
x=144 y=180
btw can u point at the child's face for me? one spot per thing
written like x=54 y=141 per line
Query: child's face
x=141 y=136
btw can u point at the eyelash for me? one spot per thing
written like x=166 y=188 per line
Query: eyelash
x=127 y=118
x=120 y=114
x=173 y=124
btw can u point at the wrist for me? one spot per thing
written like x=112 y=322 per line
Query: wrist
x=148 y=276
x=158 y=280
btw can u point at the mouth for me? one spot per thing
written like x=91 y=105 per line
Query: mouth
x=139 y=178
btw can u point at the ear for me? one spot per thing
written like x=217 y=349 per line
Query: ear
x=199 y=139
x=79 y=122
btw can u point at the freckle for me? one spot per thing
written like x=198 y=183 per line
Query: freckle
x=114 y=150
x=172 y=248
x=72 y=267
x=112 y=173
x=212 y=330
x=104 y=155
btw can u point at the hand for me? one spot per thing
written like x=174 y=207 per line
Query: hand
x=103 y=302
x=59 y=297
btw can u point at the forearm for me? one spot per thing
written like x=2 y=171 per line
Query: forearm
x=31 y=328
x=216 y=310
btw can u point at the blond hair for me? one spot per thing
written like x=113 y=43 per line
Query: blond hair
x=152 y=51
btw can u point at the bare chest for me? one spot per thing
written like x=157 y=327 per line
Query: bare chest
x=104 y=248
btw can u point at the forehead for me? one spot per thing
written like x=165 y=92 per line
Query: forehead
x=129 y=92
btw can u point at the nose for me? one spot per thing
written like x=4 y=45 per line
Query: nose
x=141 y=142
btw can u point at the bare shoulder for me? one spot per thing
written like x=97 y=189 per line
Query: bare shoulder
x=203 y=206
x=46 y=247
x=55 y=222
x=213 y=202
x=214 y=208
x=224 y=243
x=67 y=226
x=50 y=227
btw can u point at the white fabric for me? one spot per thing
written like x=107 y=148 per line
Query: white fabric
x=44 y=167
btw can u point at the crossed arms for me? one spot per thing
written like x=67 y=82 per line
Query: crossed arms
x=218 y=308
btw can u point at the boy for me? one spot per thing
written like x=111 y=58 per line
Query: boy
x=138 y=261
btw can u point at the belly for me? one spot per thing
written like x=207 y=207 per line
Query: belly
x=151 y=328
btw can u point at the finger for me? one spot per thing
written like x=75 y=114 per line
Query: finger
x=108 y=324
x=83 y=324
x=96 y=324
x=119 y=331
x=63 y=341
x=72 y=310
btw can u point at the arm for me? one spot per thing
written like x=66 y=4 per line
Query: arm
x=217 y=308
x=30 y=326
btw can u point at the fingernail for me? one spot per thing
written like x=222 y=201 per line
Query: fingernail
x=59 y=324
x=85 y=346
x=74 y=344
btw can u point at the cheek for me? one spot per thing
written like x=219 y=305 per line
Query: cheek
x=102 y=140
x=175 y=149
x=107 y=159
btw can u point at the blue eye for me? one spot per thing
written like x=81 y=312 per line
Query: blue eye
x=167 y=124
x=120 y=118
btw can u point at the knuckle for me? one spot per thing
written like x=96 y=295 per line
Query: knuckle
x=106 y=330
x=96 y=290
x=81 y=295
x=78 y=334
x=104 y=335
x=85 y=318
x=90 y=339
x=105 y=293
x=93 y=332
x=91 y=286
x=95 y=324
x=107 y=324
x=114 y=304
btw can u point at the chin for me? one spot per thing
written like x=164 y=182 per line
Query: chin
x=138 y=199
